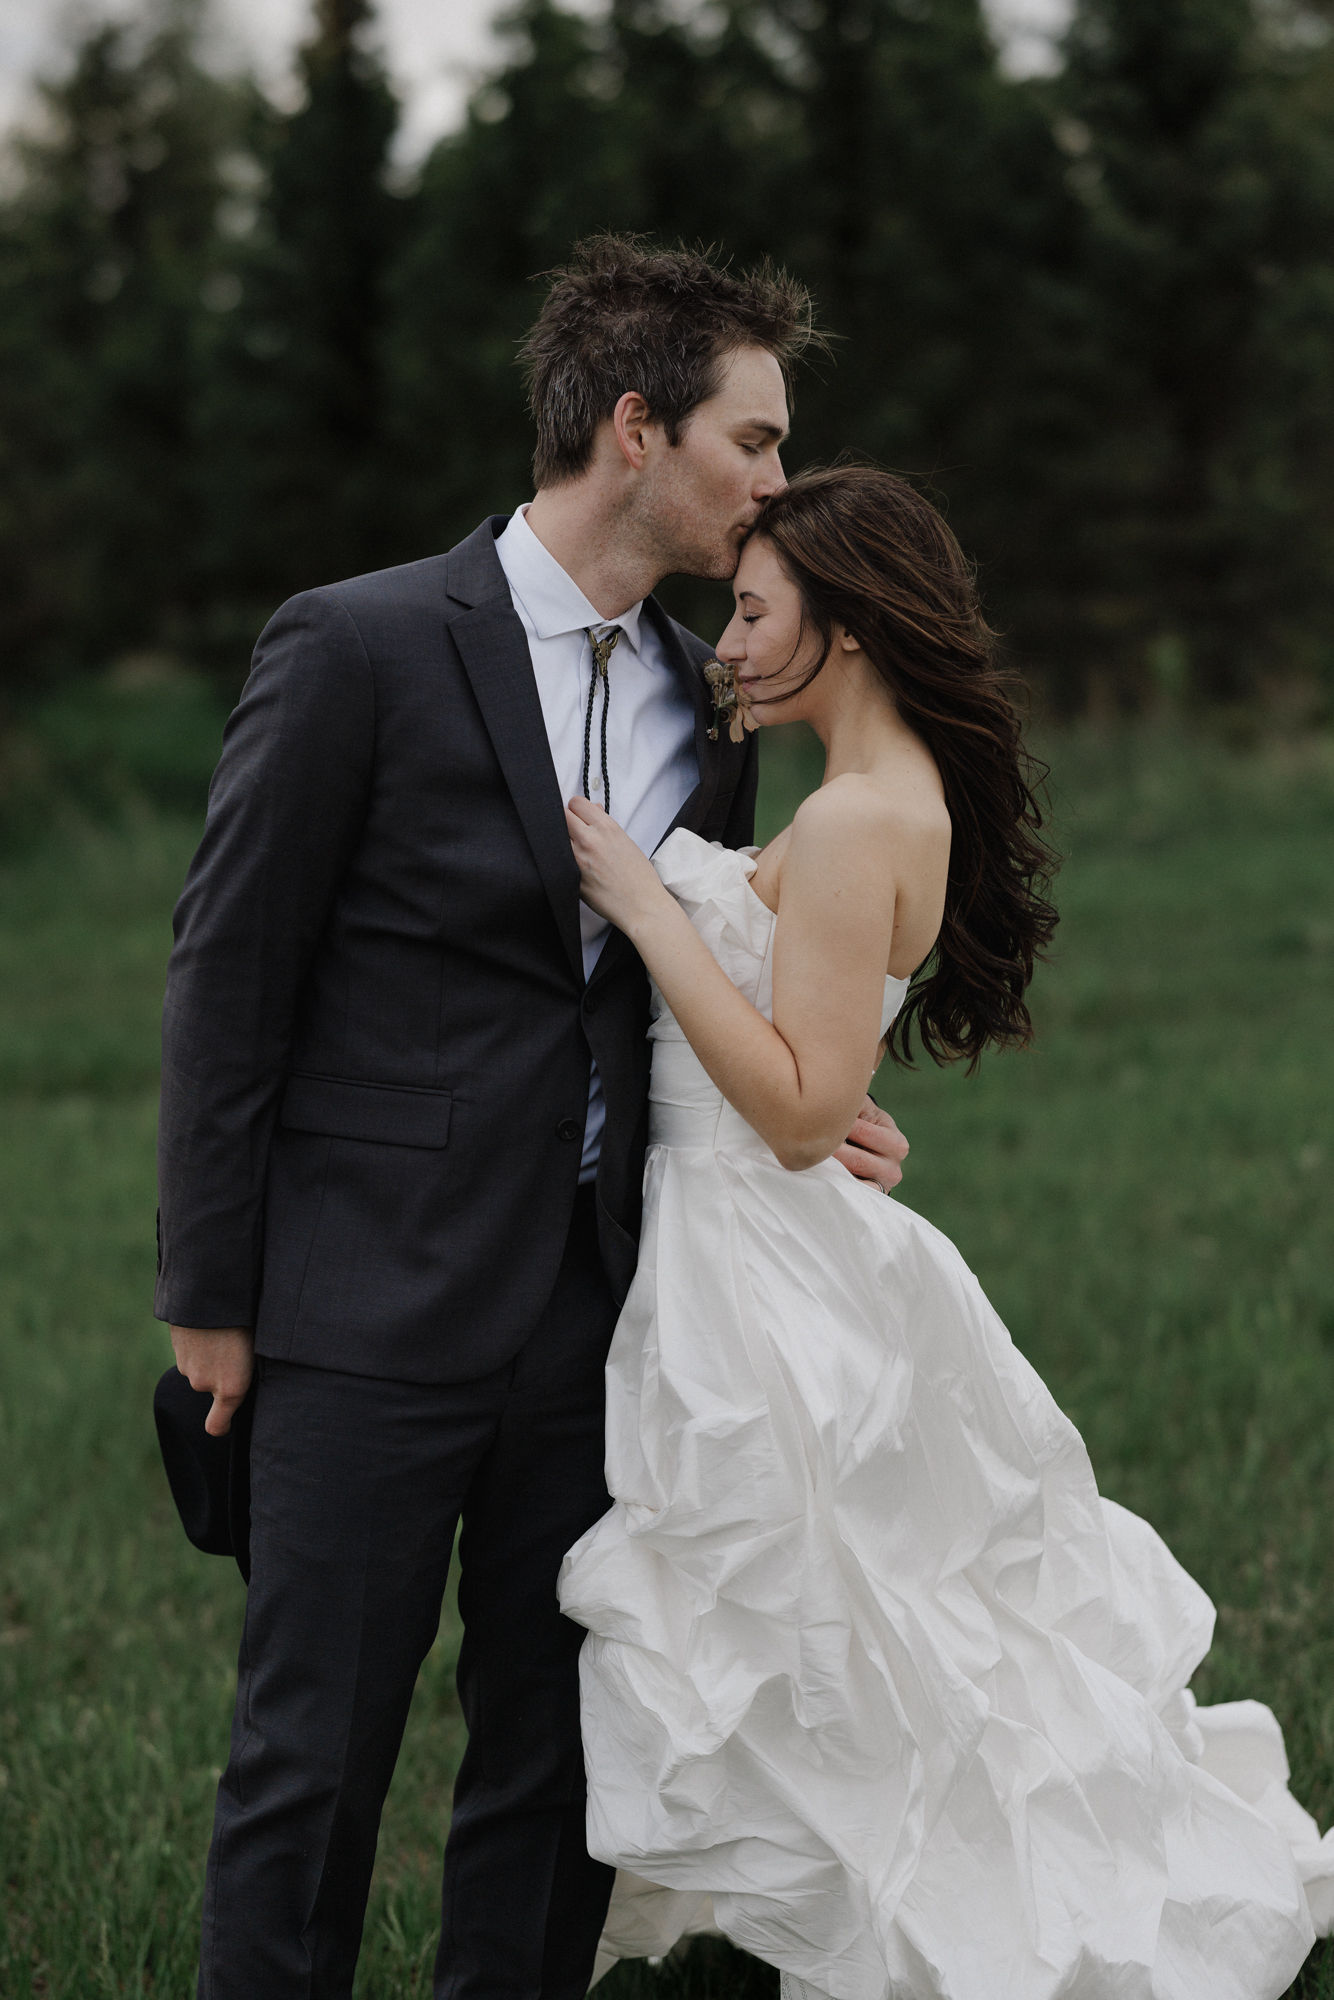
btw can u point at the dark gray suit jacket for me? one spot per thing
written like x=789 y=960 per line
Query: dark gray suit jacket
x=377 y=1034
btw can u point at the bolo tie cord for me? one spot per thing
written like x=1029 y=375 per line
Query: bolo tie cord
x=603 y=648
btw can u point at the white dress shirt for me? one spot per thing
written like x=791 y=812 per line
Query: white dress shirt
x=650 y=723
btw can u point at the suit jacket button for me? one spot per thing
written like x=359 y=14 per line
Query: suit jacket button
x=569 y=1128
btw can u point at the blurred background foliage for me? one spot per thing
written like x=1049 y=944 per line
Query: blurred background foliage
x=243 y=350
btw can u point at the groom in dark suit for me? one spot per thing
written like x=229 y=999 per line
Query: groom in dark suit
x=403 y=1120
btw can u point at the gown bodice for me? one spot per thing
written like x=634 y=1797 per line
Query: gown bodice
x=712 y=885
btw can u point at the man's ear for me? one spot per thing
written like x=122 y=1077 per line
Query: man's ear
x=631 y=420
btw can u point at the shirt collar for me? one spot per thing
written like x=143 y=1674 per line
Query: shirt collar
x=549 y=595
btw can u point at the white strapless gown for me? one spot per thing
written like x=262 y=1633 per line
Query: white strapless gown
x=875 y=1681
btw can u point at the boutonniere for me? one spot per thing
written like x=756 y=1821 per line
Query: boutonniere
x=728 y=705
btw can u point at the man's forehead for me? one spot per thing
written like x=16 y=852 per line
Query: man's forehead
x=752 y=389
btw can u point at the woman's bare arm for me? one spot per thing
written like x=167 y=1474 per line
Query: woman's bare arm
x=800 y=1080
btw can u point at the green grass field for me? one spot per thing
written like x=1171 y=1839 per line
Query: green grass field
x=1145 y=1196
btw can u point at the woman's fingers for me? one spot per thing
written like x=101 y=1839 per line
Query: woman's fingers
x=582 y=817
x=593 y=835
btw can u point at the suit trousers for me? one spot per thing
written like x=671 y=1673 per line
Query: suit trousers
x=357 y=1486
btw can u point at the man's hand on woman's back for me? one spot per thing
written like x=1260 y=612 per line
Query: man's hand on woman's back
x=874 y=1149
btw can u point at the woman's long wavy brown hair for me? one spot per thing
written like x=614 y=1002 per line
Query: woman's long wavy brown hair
x=870 y=553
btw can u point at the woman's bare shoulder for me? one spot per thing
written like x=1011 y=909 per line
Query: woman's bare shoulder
x=856 y=807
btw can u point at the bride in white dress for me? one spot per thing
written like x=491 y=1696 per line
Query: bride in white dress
x=875 y=1682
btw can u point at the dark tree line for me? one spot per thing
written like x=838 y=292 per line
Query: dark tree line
x=241 y=353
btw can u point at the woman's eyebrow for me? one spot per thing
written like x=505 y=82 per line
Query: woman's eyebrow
x=742 y=595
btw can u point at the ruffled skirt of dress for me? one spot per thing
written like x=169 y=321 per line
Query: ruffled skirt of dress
x=875 y=1681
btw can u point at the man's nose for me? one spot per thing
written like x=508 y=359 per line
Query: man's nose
x=772 y=479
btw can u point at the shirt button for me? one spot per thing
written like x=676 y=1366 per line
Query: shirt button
x=569 y=1128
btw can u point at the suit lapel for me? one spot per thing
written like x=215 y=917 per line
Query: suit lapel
x=494 y=650
x=708 y=756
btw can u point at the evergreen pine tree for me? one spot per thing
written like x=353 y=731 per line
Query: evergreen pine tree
x=294 y=431
x=1203 y=154
x=107 y=255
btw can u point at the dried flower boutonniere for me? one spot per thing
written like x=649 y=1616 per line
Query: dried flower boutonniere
x=728 y=703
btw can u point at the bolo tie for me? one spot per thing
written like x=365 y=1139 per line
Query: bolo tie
x=603 y=648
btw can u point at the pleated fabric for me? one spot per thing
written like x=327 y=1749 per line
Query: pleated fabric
x=876 y=1683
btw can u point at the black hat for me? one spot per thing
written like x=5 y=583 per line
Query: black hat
x=209 y=1476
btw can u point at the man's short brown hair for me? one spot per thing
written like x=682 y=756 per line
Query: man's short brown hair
x=624 y=316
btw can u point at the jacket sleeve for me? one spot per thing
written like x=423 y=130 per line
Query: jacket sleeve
x=286 y=808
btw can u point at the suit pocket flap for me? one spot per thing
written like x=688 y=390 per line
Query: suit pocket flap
x=387 y=1114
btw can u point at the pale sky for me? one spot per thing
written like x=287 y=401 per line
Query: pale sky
x=437 y=49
